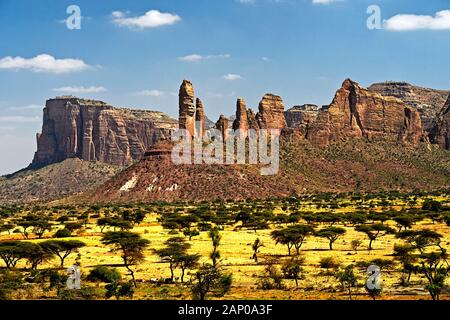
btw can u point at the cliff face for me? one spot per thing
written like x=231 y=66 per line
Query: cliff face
x=440 y=132
x=427 y=101
x=358 y=113
x=301 y=116
x=187 y=107
x=95 y=131
x=271 y=113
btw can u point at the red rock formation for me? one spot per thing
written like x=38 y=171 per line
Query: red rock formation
x=440 y=132
x=271 y=113
x=251 y=118
x=199 y=118
x=223 y=125
x=241 y=122
x=425 y=100
x=356 y=112
x=187 y=107
x=95 y=131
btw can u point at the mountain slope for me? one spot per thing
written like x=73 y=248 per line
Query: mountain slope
x=55 y=181
x=353 y=166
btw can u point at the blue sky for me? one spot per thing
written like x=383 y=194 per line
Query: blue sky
x=298 y=49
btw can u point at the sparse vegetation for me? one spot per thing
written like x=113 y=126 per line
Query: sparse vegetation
x=195 y=247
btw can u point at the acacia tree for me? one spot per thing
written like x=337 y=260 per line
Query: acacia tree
x=434 y=266
x=13 y=251
x=175 y=248
x=405 y=255
x=292 y=268
x=215 y=238
x=188 y=261
x=374 y=231
x=332 y=234
x=210 y=280
x=348 y=279
x=404 y=222
x=40 y=226
x=131 y=247
x=421 y=239
x=62 y=248
x=255 y=246
x=292 y=236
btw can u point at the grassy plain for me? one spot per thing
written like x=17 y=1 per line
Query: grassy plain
x=236 y=254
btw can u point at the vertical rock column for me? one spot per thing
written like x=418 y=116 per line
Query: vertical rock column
x=187 y=107
x=199 y=118
x=222 y=125
x=271 y=113
x=241 y=122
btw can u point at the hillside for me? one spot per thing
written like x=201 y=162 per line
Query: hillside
x=55 y=181
x=353 y=166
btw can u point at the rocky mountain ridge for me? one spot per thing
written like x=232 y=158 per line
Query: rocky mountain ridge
x=96 y=131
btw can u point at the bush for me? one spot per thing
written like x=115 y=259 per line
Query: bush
x=271 y=278
x=85 y=293
x=104 y=274
x=62 y=233
x=329 y=263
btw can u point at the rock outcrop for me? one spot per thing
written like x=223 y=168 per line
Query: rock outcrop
x=440 y=131
x=359 y=113
x=427 y=101
x=187 y=107
x=251 y=118
x=241 y=122
x=300 y=116
x=223 y=124
x=95 y=131
x=271 y=113
x=199 y=118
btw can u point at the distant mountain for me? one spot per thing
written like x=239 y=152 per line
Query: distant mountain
x=96 y=131
x=362 y=142
x=428 y=102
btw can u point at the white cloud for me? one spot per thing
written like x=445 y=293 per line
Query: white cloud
x=151 y=19
x=80 y=89
x=191 y=58
x=198 y=57
x=232 y=77
x=246 y=1
x=410 y=22
x=118 y=14
x=43 y=63
x=265 y=59
x=27 y=107
x=324 y=1
x=19 y=119
x=151 y=93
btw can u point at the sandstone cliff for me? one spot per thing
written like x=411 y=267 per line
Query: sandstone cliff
x=95 y=131
x=241 y=121
x=187 y=107
x=359 y=113
x=440 y=132
x=300 y=116
x=271 y=113
x=427 y=101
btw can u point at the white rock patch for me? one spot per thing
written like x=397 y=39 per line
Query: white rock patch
x=129 y=185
